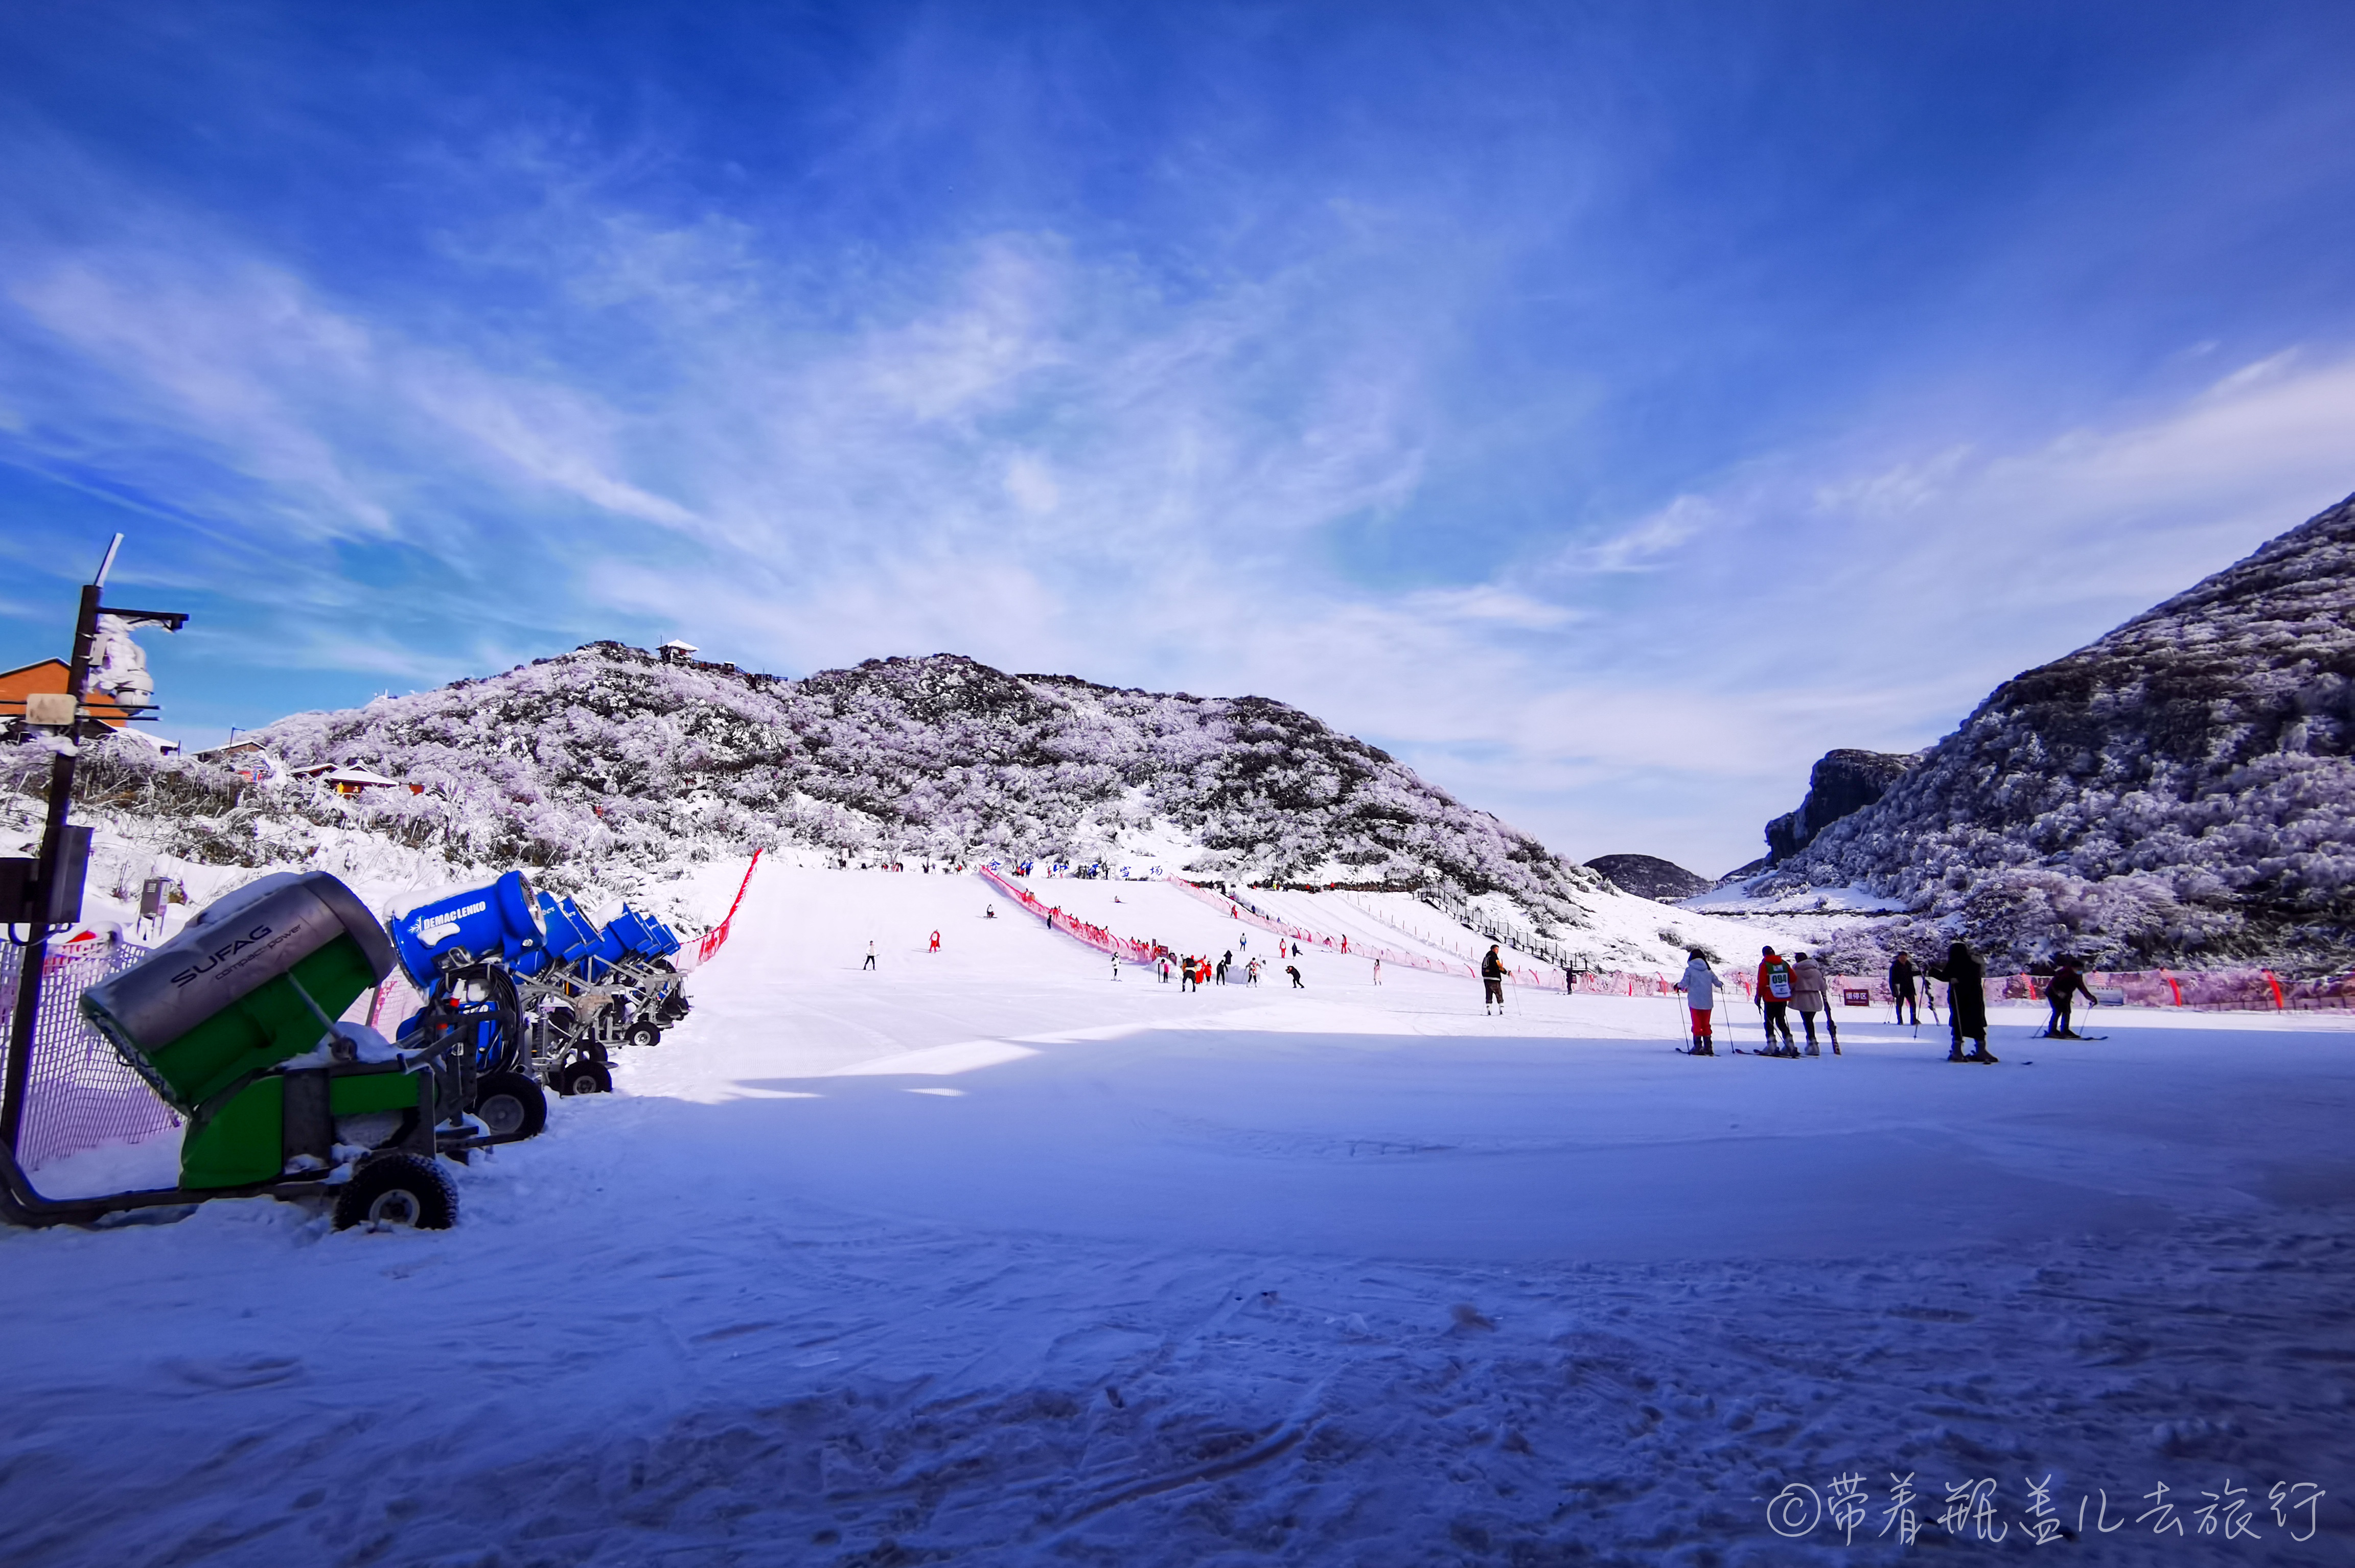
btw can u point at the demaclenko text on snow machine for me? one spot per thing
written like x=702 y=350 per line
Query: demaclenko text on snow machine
x=462 y=951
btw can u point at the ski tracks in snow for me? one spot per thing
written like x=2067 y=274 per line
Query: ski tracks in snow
x=883 y=1396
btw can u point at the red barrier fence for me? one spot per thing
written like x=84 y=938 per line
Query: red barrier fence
x=1096 y=937
x=2196 y=990
x=1238 y=910
x=717 y=937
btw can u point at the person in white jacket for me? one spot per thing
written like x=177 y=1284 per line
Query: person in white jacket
x=1700 y=985
x=1811 y=994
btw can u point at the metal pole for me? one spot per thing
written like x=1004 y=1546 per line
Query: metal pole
x=52 y=855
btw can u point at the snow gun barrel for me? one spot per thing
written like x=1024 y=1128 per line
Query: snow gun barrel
x=570 y=933
x=471 y=927
x=256 y=978
x=642 y=934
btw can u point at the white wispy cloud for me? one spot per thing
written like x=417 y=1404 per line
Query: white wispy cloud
x=1020 y=447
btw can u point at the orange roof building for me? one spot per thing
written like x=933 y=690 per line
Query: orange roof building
x=48 y=677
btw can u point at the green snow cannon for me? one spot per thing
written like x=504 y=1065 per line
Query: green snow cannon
x=232 y=1022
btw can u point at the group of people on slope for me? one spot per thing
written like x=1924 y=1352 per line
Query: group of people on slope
x=1193 y=972
x=1801 y=983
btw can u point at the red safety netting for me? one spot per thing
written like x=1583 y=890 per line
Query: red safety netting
x=717 y=937
x=80 y=1095
x=1241 y=909
x=2200 y=990
x=1096 y=937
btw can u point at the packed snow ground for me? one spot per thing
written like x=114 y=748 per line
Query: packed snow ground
x=982 y=1256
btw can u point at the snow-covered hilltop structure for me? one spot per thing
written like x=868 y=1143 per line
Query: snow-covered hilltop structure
x=610 y=752
x=2179 y=790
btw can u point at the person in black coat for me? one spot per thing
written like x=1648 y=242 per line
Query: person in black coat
x=1492 y=981
x=1965 y=1004
x=1901 y=989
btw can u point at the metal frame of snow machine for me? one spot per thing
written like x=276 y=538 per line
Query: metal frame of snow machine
x=232 y=1022
x=587 y=993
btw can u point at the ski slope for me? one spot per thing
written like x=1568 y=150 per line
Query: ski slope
x=984 y=1256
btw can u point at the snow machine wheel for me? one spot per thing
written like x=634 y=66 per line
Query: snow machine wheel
x=404 y=1190
x=511 y=1104
x=643 y=1034
x=584 y=1077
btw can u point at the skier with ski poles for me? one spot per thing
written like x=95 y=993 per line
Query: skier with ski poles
x=1700 y=985
x=1492 y=981
x=1773 y=1001
x=1965 y=1004
x=1900 y=988
x=1811 y=993
x=2067 y=984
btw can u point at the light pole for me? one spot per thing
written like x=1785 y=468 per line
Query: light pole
x=50 y=891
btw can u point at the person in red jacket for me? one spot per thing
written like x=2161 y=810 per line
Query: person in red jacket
x=1774 y=999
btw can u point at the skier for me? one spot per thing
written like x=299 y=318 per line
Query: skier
x=1186 y=973
x=989 y=911
x=936 y=941
x=2061 y=991
x=1700 y=985
x=1225 y=959
x=1569 y=982
x=1810 y=993
x=1165 y=969
x=1965 y=1004
x=1773 y=1000
x=1294 y=972
x=1115 y=966
x=1250 y=972
x=1378 y=971
x=1900 y=988
x=870 y=957
x=1492 y=981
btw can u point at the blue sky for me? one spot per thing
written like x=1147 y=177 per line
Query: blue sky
x=1609 y=409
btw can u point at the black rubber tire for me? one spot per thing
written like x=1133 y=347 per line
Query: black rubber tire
x=511 y=1104
x=403 y=1189
x=642 y=1034
x=583 y=1076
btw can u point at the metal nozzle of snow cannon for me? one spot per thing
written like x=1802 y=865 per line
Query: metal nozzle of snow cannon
x=570 y=933
x=598 y=952
x=462 y=928
x=254 y=979
x=642 y=934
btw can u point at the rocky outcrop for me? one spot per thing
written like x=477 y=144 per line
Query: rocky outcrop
x=1844 y=782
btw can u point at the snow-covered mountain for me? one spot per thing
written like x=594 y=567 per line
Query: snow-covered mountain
x=1649 y=876
x=610 y=755
x=2179 y=790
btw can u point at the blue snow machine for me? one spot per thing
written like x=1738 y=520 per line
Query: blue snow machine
x=593 y=991
x=233 y=1023
x=649 y=948
x=464 y=952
